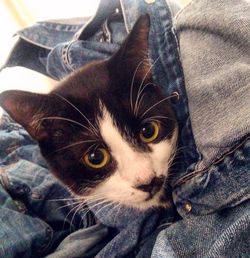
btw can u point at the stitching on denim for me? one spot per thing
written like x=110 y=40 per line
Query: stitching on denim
x=179 y=78
x=65 y=55
x=184 y=179
x=182 y=10
x=33 y=42
x=60 y=27
x=107 y=31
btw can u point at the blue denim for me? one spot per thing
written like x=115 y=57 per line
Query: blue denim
x=211 y=182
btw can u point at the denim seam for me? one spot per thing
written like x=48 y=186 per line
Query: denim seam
x=33 y=42
x=183 y=10
x=65 y=55
x=215 y=162
x=51 y=26
x=176 y=65
x=106 y=31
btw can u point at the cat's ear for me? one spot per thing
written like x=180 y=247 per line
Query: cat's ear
x=26 y=108
x=132 y=58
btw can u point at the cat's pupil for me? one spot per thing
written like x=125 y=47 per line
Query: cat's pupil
x=96 y=157
x=148 y=130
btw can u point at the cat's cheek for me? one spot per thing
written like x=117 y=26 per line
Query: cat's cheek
x=160 y=157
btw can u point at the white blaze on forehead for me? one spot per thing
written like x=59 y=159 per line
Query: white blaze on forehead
x=133 y=166
x=112 y=136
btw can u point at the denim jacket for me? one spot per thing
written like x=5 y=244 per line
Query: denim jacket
x=208 y=45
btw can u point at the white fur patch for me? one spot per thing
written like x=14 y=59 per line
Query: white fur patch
x=133 y=168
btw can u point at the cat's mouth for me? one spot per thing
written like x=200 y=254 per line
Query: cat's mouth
x=155 y=198
x=153 y=188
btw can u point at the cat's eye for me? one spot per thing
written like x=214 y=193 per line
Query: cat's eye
x=149 y=131
x=96 y=159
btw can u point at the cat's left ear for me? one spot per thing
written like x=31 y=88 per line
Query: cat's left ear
x=132 y=58
x=25 y=108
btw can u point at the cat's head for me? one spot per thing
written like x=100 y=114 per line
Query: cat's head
x=107 y=131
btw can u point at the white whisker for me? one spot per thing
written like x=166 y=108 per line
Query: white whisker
x=144 y=78
x=140 y=97
x=132 y=84
x=64 y=119
x=157 y=103
x=72 y=219
x=65 y=199
x=69 y=204
x=93 y=127
x=69 y=214
x=73 y=144
x=160 y=117
x=104 y=207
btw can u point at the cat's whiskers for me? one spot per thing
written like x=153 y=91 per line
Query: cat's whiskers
x=159 y=117
x=110 y=203
x=157 y=103
x=141 y=88
x=63 y=119
x=89 y=208
x=90 y=147
x=139 y=104
x=118 y=211
x=140 y=97
x=94 y=129
x=73 y=144
x=64 y=199
x=132 y=83
x=71 y=210
x=78 y=209
x=69 y=204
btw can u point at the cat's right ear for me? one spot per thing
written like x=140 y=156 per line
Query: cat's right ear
x=132 y=58
x=26 y=108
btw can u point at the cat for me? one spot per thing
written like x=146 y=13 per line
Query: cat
x=106 y=131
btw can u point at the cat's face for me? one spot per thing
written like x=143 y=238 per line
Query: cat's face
x=107 y=131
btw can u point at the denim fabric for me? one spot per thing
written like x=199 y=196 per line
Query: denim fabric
x=221 y=234
x=213 y=199
x=82 y=243
x=211 y=177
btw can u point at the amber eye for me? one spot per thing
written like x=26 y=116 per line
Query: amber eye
x=96 y=159
x=149 y=131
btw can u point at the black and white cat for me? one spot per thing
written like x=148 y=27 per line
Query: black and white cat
x=107 y=131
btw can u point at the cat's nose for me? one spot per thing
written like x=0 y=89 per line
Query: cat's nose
x=153 y=187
